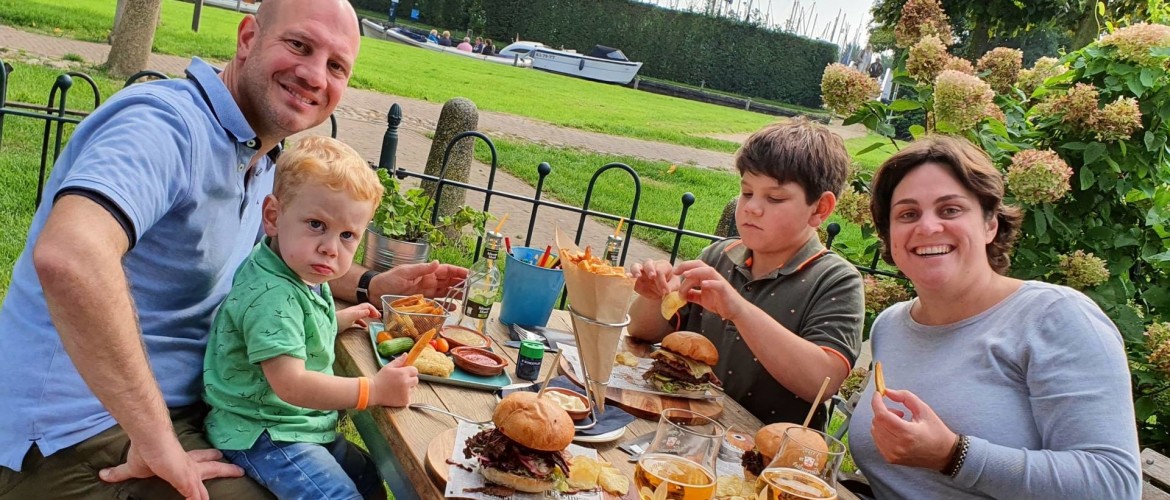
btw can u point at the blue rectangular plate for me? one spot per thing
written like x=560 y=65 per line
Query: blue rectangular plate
x=458 y=377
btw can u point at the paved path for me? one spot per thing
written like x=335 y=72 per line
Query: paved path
x=361 y=120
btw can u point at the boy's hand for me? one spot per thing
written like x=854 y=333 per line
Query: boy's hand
x=394 y=384
x=356 y=316
x=703 y=285
x=653 y=278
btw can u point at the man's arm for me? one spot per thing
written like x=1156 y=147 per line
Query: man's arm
x=78 y=258
x=431 y=279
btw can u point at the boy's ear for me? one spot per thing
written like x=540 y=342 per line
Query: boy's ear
x=269 y=213
x=824 y=208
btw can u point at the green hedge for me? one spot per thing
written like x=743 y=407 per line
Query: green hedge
x=678 y=46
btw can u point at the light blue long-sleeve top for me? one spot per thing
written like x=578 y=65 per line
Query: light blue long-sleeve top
x=1039 y=383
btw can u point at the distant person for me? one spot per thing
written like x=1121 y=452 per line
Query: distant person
x=876 y=69
x=465 y=45
x=433 y=37
x=445 y=40
x=478 y=48
x=489 y=49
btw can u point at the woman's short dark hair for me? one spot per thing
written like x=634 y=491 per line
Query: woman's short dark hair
x=967 y=164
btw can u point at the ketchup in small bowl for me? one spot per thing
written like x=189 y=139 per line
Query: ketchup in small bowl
x=478 y=361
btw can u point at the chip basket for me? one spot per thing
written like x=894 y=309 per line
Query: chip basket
x=413 y=324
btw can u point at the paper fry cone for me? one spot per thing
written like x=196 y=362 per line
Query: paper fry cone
x=603 y=294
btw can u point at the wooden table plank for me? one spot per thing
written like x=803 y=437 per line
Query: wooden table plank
x=408 y=432
x=1156 y=468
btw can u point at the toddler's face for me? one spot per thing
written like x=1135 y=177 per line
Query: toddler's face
x=317 y=232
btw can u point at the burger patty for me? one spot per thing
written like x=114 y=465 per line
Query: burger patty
x=753 y=461
x=494 y=449
x=677 y=370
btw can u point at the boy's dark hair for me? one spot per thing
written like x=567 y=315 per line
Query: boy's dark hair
x=800 y=151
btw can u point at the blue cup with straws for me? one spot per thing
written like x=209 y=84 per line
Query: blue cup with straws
x=530 y=290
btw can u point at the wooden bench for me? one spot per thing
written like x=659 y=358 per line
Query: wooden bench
x=1155 y=476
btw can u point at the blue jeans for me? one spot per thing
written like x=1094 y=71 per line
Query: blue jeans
x=337 y=471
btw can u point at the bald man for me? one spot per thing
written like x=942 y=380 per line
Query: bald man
x=153 y=204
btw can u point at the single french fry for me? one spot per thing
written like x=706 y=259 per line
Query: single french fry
x=879 y=381
x=418 y=347
x=414 y=308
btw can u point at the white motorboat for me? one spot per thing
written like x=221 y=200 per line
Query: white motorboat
x=603 y=64
x=236 y=5
x=375 y=29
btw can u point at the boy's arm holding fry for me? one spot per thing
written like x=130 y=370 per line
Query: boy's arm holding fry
x=295 y=385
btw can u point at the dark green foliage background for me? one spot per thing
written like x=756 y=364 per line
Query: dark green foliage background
x=683 y=47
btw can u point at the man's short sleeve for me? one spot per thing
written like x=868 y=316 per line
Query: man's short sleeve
x=137 y=155
x=274 y=324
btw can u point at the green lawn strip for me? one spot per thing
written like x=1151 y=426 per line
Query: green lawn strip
x=423 y=74
x=662 y=191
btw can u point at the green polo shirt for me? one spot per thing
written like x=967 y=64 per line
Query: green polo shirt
x=817 y=295
x=268 y=313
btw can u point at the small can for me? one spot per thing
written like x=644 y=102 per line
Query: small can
x=528 y=363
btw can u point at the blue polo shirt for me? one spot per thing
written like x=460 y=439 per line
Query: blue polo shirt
x=169 y=159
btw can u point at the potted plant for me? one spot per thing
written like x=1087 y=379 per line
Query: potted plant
x=402 y=232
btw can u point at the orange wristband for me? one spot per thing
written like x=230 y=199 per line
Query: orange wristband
x=363 y=393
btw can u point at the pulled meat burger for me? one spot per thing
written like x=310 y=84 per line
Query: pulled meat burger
x=768 y=440
x=683 y=365
x=525 y=449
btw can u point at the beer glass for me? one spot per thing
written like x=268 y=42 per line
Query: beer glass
x=681 y=458
x=805 y=467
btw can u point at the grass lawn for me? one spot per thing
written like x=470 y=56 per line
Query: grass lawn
x=423 y=74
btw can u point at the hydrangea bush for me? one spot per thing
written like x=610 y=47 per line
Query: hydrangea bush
x=1082 y=141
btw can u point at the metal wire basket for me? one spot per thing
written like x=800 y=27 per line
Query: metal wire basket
x=413 y=321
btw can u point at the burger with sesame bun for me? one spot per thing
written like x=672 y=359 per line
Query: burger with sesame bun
x=525 y=449
x=683 y=365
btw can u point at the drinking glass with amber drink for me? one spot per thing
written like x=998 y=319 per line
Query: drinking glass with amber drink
x=804 y=468
x=679 y=464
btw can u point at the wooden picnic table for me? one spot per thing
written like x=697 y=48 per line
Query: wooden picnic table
x=398 y=437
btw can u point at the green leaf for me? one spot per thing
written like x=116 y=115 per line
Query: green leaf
x=905 y=105
x=1147 y=77
x=1093 y=152
x=917 y=131
x=870 y=147
x=1041 y=223
x=1087 y=178
x=1074 y=146
x=1135 y=85
x=1153 y=141
x=1144 y=407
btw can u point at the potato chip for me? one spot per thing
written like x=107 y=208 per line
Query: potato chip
x=732 y=487
x=627 y=358
x=583 y=473
x=671 y=303
x=879 y=381
x=613 y=481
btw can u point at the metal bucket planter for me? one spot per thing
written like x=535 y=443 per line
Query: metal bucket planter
x=383 y=253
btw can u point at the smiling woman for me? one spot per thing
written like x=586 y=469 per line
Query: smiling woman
x=1013 y=385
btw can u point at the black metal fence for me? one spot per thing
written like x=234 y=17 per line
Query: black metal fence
x=57 y=115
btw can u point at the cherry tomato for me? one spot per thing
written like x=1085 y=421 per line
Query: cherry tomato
x=440 y=345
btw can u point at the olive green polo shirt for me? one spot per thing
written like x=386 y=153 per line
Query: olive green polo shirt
x=269 y=312
x=817 y=295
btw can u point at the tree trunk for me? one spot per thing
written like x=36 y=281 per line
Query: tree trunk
x=133 y=36
x=117 y=17
x=980 y=39
x=1087 y=28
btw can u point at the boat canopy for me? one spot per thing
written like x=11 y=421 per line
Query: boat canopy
x=604 y=52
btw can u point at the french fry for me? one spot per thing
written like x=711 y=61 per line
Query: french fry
x=406 y=301
x=421 y=343
x=414 y=308
x=879 y=381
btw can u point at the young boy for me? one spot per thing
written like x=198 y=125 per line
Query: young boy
x=782 y=310
x=268 y=371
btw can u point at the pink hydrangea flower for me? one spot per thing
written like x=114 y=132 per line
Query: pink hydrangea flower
x=1037 y=177
x=845 y=89
x=927 y=59
x=1118 y=120
x=1083 y=270
x=1045 y=68
x=921 y=18
x=961 y=100
x=1003 y=66
x=1134 y=43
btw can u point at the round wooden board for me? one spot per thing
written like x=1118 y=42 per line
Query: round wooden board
x=646 y=405
x=438 y=451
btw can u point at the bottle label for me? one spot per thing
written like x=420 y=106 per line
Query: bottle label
x=491 y=253
x=477 y=307
x=612 y=257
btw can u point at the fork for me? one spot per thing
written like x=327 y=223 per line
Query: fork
x=423 y=406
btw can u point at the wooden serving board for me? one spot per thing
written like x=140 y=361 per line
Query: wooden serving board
x=440 y=449
x=647 y=405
